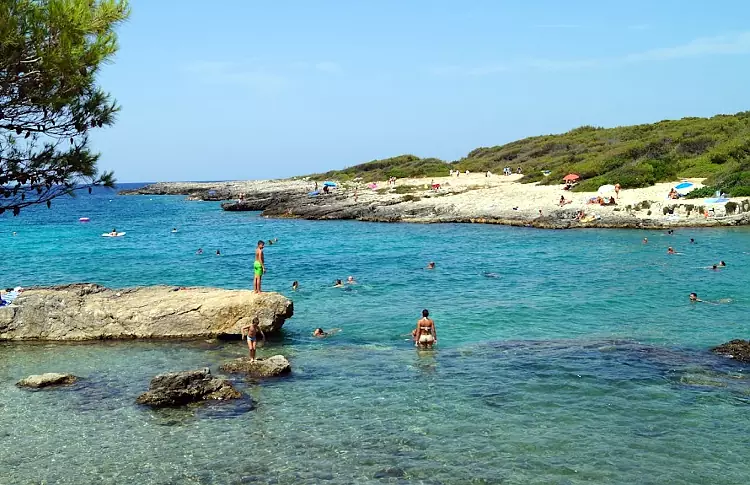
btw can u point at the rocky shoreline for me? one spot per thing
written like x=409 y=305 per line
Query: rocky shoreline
x=472 y=199
x=92 y=312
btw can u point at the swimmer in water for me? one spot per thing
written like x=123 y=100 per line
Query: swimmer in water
x=174 y=229
x=692 y=241
x=319 y=332
x=431 y=265
x=670 y=250
x=338 y=284
x=722 y=264
x=694 y=297
x=295 y=286
x=351 y=281
x=714 y=267
x=199 y=251
x=218 y=252
x=487 y=274
x=645 y=240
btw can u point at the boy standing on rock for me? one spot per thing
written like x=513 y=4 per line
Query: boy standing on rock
x=252 y=336
x=259 y=267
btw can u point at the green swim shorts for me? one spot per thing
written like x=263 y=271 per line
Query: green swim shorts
x=258 y=268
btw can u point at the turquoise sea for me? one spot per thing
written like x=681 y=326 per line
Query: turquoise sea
x=564 y=357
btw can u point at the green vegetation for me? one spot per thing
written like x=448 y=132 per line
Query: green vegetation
x=50 y=55
x=404 y=166
x=716 y=148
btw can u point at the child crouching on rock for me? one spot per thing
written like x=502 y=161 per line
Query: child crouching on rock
x=252 y=333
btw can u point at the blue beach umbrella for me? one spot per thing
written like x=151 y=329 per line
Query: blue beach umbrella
x=329 y=184
x=684 y=188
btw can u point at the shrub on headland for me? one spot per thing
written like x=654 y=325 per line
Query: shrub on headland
x=716 y=148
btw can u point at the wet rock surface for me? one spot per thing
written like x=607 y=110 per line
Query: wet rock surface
x=180 y=388
x=735 y=349
x=274 y=366
x=47 y=380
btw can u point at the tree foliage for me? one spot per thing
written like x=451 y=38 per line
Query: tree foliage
x=50 y=54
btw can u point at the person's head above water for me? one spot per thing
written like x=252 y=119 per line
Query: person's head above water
x=338 y=282
x=295 y=284
x=431 y=265
x=425 y=313
x=350 y=279
x=692 y=241
x=693 y=296
x=318 y=332
x=722 y=263
x=714 y=267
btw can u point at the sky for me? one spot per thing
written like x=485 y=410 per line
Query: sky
x=245 y=89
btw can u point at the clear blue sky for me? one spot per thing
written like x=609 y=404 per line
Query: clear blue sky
x=241 y=89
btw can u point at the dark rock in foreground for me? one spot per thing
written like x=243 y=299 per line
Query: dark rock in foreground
x=736 y=349
x=274 y=366
x=46 y=380
x=180 y=388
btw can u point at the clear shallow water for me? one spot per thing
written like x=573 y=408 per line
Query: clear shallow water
x=581 y=362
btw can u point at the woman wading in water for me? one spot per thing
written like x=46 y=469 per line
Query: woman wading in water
x=425 y=335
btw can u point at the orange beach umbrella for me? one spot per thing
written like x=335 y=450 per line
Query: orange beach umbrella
x=571 y=177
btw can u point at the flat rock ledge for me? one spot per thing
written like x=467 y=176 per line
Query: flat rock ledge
x=274 y=366
x=180 y=388
x=735 y=349
x=89 y=312
x=46 y=380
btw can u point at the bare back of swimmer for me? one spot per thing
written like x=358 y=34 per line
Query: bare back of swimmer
x=425 y=335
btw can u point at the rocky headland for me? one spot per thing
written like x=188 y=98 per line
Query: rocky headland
x=90 y=312
x=470 y=198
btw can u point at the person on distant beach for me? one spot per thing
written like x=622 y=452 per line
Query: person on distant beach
x=338 y=284
x=540 y=212
x=431 y=265
x=425 y=335
x=617 y=190
x=252 y=331
x=519 y=171
x=259 y=267
x=645 y=240
x=199 y=251
x=295 y=286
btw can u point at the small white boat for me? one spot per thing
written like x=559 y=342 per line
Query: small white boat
x=109 y=234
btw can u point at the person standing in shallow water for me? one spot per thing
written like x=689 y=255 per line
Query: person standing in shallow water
x=259 y=267
x=425 y=335
x=252 y=331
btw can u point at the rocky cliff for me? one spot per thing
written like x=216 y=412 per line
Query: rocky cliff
x=89 y=311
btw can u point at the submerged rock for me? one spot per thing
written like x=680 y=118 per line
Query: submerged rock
x=89 y=311
x=735 y=349
x=46 y=380
x=274 y=366
x=180 y=388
